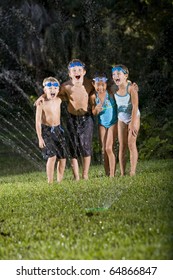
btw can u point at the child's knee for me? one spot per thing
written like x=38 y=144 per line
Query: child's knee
x=109 y=150
x=132 y=143
x=52 y=159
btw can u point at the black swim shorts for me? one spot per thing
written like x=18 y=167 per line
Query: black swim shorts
x=55 y=142
x=80 y=133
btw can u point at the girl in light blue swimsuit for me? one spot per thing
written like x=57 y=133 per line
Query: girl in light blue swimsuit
x=128 y=117
x=108 y=116
x=104 y=106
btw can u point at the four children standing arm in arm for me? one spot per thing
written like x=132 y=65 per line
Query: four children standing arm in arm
x=84 y=98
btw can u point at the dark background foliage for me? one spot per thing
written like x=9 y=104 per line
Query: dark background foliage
x=39 y=38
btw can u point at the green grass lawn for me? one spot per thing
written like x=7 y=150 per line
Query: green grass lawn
x=39 y=221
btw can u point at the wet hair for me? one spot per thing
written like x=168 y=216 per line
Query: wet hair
x=76 y=62
x=50 y=79
x=121 y=67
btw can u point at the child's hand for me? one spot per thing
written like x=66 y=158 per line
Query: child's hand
x=133 y=130
x=39 y=101
x=41 y=143
x=135 y=87
x=98 y=108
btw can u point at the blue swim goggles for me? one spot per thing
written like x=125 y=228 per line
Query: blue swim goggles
x=49 y=84
x=118 y=68
x=100 y=79
x=77 y=63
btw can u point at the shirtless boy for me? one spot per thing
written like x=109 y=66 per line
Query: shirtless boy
x=76 y=92
x=49 y=132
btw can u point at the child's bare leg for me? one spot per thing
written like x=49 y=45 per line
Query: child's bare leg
x=103 y=136
x=110 y=140
x=75 y=168
x=60 y=169
x=115 y=135
x=50 y=168
x=133 y=150
x=106 y=164
x=123 y=140
x=86 y=166
x=133 y=157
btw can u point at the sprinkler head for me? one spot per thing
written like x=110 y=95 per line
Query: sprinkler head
x=97 y=209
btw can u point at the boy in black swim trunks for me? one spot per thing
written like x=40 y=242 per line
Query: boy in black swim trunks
x=49 y=131
x=76 y=92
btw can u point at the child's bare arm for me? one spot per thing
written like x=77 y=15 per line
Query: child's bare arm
x=96 y=109
x=38 y=125
x=62 y=93
x=134 y=100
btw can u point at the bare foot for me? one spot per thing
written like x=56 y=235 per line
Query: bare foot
x=76 y=178
x=85 y=177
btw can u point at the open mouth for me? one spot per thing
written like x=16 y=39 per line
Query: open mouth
x=77 y=77
x=52 y=94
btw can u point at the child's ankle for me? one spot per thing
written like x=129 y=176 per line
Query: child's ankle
x=76 y=178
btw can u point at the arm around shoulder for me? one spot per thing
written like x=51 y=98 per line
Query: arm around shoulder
x=134 y=125
x=40 y=99
x=62 y=92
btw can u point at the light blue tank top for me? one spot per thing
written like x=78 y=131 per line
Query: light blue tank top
x=124 y=106
x=108 y=116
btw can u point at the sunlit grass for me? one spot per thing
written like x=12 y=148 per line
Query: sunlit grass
x=39 y=221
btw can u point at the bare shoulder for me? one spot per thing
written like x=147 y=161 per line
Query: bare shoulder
x=133 y=93
x=40 y=105
x=130 y=88
x=58 y=99
x=93 y=97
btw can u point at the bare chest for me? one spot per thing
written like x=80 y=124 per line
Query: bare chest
x=51 y=107
x=78 y=93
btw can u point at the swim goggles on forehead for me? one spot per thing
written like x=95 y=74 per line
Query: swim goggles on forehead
x=50 y=84
x=100 y=79
x=118 y=68
x=77 y=63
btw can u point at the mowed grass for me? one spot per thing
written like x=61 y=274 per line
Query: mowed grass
x=39 y=221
